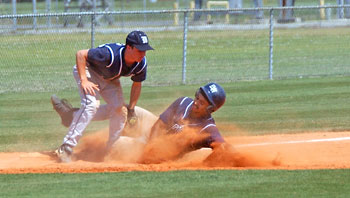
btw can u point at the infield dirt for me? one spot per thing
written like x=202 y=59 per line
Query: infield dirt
x=317 y=150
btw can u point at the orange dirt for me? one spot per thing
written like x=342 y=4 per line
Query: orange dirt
x=322 y=150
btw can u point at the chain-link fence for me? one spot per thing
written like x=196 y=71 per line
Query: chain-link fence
x=192 y=46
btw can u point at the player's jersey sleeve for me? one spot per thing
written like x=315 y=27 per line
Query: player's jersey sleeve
x=99 y=57
x=140 y=73
x=169 y=114
x=214 y=136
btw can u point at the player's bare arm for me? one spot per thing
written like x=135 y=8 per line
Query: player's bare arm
x=134 y=94
x=88 y=87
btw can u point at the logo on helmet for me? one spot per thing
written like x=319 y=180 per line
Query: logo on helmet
x=213 y=88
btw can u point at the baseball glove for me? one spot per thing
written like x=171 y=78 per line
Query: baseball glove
x=131 y=118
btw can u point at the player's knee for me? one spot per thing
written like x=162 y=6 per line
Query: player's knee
x=119 y=109
x=90 y=106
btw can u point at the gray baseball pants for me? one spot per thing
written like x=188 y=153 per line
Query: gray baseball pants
x=113 y=96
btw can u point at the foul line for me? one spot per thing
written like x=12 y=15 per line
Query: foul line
x=296 y=142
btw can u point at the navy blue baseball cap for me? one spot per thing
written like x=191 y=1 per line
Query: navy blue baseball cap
x=214 y=94
x=139 y=40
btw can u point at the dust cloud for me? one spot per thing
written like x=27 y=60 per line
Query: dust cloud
x=175 y=149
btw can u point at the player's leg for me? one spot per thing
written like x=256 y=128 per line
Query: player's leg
x=103 y=112
x=113 y=96
x=142 y=128
x=125 y=149
x=81 y=119
x=135 y=137
x=67 y=112
x=64 y=110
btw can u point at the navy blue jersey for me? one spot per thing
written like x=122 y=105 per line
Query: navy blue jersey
x=108 y=61
x=177 y=116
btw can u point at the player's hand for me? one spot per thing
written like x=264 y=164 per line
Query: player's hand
x=131 y=118
x=89 y=87
x=224 y=155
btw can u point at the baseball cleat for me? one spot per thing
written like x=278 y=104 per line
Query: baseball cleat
x=64 y=153
x=64 y=109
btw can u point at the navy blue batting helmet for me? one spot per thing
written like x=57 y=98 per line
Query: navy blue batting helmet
x=215 y=95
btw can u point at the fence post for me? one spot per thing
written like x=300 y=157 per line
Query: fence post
x=93 y=30
x=184 y=48
x=271 y=46
x=14 y=11
x=340 y=9
x=48 y=10
x=34 y=12
x=144 y=9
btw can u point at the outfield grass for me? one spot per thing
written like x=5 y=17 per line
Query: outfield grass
x=44 y=62
x=201 y=184
x=29 y=123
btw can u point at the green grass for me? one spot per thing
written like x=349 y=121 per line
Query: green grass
x=33 y=67
x=44 y=62
x=29 y=123
x=239 y=183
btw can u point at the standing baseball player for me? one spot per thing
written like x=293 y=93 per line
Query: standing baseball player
x=97 y=72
